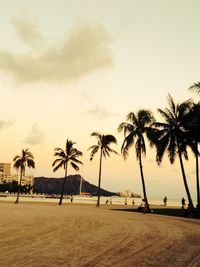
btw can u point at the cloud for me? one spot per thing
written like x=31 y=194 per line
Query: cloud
x=6 y=124
x=27 y=32
x=98 y=112
x=86 y=48
x=35 y=136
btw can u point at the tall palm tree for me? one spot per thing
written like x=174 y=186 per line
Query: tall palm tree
x=20 y=163
x=172 y=136
x=134 y=129
x=103 y=144
x=195 y=87
x=193 y=127
x=69 y=155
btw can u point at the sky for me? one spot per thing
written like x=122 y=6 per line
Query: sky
x=69 y=68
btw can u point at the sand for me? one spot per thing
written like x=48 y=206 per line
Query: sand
x=83 y=235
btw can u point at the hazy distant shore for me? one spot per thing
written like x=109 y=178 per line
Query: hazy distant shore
x=82 y=235
x=77 y=199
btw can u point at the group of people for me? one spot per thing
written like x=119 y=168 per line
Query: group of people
x=183 y=203
x=141 y=207
x=125 y=201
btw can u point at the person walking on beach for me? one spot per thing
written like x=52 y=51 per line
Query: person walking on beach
x=72 y=198
x=126 y=203
x=183 y=203
x=165 y=201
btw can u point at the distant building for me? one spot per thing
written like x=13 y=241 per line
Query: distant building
x=5 y=169
x=26 y=180
x=5 y=175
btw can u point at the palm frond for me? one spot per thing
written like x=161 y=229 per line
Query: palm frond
x=145 y=117
x=172 y=148
x=105 y=153
x=127 y=143
x=161 y=146
x=94 y=151
x=111 y=150
x=126 y=128
x=75 y=160
x=16 y=158
x=132 y=118
x=165 y=114
x=57 y=161
x=195 y=87
x=108 y=139
x=96 y=134
x=18 y=164
x=172 y=105
x=30 y=163
x=61 y=164
x=76 y=167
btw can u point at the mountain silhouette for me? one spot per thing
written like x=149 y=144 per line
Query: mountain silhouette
x=47 y=185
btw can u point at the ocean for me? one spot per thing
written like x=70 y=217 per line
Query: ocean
x=92 y=200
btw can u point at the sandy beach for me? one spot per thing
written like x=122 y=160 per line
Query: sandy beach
x=83 y=235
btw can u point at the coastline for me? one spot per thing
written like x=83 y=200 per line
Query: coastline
x=77 y=199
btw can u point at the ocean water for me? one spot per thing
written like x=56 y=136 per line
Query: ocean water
x=92 y=200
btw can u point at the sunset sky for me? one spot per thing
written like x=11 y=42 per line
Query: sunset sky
x=71 y=67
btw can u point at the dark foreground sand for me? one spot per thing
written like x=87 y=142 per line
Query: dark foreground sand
x=82 y=235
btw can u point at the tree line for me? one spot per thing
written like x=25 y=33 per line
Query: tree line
x=12 y=187
x=178 y=131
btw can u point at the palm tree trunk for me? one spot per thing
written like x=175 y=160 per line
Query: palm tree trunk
x=197 y=177
x=19 y=187
x=63 y=186
x=147 y=209
x=99 y=184
x=185 y=180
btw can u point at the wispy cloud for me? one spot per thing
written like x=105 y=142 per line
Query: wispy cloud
x=98 y=112
x=35 y=136
x=28 y=33
x=85 y=48
x=4 y=124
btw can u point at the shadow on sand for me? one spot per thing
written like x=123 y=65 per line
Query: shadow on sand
x=159 y=211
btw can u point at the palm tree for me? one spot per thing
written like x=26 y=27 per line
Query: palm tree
x=193 y=127
x=69 y=155
x=20 y=162
x=172 y=136
x=103 y=144
x=195 y=87
x=134 y=129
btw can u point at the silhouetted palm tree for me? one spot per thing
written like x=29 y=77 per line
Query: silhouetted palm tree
x=103 y=144
x=172 y=136
x=20 y=162
x=193 y=127
x=195 y=87
x=134 y=129
x=69 y=155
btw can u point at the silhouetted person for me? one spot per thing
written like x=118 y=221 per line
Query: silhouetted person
x=133 y=202
x=72 y=198
x=183 y=203
x=126 y=203
x=141 y=208
x=165 y=201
